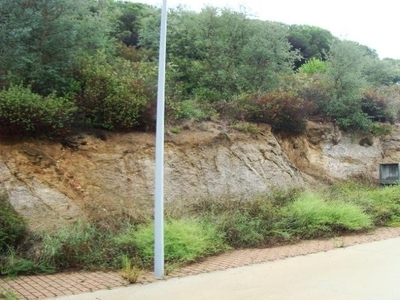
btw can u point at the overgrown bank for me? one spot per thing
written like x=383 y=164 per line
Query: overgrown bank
x=198 y=228
x=94 y=64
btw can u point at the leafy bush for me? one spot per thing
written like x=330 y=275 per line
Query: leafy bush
x=374 y=105
x=185 y=110
x=185 y=240
x=23 y=111
x=378 y=129
x=283 y=111
x=116 y=95
x=313 y=66
x=313 y=88
x=347 y=112
x=245 y=127
x=12 y=225
x=382 y=105
x=353 y=122
x=311 y=216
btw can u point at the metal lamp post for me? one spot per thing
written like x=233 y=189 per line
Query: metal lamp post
x=159 y=169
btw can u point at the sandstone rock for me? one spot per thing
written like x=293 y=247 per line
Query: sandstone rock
x=52 y=185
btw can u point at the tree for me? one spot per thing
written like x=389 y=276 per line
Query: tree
x=268 y=55
x=346 y=64
x=43 y=41
x=127 y=30
x=219 y=53
x=382 y=72
x=311 y=41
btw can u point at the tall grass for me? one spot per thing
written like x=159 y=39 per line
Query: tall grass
x=243 y=222
x=201 y=227
x=382 y=204
x=311 y=216
x=86 y=246
x=12 y=225
x=185 y=240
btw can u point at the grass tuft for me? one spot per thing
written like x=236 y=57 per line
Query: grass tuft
x=311 y=216
x=7 y=294
x=185 y=240
x=129 y=271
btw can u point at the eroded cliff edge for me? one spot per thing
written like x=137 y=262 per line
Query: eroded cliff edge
x=52 y=183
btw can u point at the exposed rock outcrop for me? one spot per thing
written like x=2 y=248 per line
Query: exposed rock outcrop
x=51 y=184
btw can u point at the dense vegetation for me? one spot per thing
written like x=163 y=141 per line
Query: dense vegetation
x=77 y=64
x=197 y=228
x=94 y=63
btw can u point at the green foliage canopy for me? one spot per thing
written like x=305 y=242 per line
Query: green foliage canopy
x=22 y=111
x=218 y=53
x=311 y=41
x=43 y=41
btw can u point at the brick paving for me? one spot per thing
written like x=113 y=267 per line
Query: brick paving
x=62 y=284
x=50 y=286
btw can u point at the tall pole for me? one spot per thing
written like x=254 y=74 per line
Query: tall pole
x=159 y=170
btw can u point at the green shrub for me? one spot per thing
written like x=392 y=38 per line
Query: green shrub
x=374 y=105
x=185 y=110
x=347 y=112
x=313 y=66
x=116 y=95
x=185 y=240
x=22 y=111
x=129 y=272
x=12 y=226
x=246 y=127
x=378 y=129
x=311 y=216
x=283 y=111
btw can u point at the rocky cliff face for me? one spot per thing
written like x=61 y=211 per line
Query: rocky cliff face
x=106 y=176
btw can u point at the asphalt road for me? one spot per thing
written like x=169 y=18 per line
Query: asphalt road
x=366 y=271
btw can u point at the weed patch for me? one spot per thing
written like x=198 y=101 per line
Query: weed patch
x=129 y=270
x=185 y=240
x=12 y=226
x=382 y=204
x=311 y=216
x=7 y=294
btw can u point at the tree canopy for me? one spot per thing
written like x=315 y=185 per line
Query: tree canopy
x=98 y=58
x=43 y=41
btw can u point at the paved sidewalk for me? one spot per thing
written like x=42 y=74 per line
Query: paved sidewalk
x=362 y=272
x=48 y=286
x=63 y=284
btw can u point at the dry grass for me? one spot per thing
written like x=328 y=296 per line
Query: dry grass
x=129 y=272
